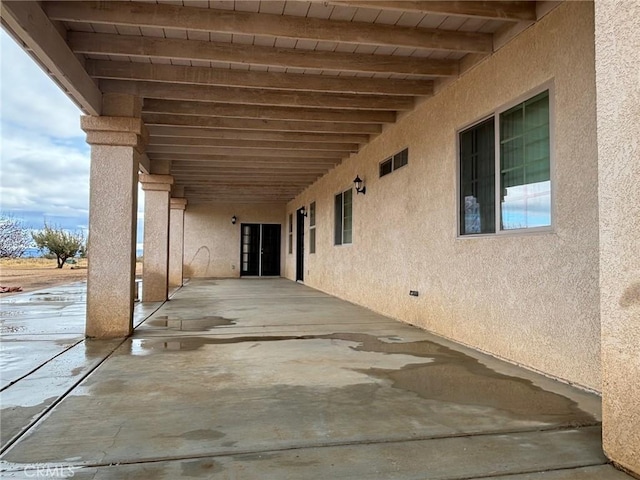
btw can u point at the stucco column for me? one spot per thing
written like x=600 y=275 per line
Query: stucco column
x=618 y=115
x=176 y=240
x=155 y=259
x=116 y=146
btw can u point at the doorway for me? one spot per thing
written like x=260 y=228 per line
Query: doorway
x=260 y=250
x=300 y=245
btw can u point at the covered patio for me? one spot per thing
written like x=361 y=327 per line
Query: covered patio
x=495 y=149
x=269 y=379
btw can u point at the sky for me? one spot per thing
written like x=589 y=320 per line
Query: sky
x=44 y=159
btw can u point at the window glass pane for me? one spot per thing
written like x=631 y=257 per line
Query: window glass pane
x=525 y=165
x=401 y=159
x=312 y=214
x=338 y=220
x=527 y=206
x=477 y=179
x=386 y=167
x=348 y=217
x=291 y=233
x=312 y=240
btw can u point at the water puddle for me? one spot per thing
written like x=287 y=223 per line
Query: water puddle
x=12 y=328
x=193 y=325
x=445 y=376
x=53 y=298
x=453 y=377
x=12 y=313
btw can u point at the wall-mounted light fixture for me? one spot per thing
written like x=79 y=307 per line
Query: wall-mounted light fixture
x=234 y=219
x=360 y=188
x=303 y=211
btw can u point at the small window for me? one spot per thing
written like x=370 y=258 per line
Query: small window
x=401 y=159
x=519 y=170
x=312 y=228
x=395 y=162
x=344 y=218
x=291 y=233
x=386 y=167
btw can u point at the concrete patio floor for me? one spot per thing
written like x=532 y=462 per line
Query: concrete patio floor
x=269 y=379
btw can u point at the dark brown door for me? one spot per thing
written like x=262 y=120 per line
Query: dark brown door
x=260 y=250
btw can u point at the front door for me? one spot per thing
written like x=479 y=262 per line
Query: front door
x=259 y=250
x=270 y=252
x=300 y=246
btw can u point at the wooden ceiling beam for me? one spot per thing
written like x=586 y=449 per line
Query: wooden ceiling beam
x=240 y=159
x=243 y=189
x=514 y=11
x=152 y=105
x=256 y=144
x=257 y=135
x=31 y=27
x=105 y=69
x=250 y=96
x=227 y=199
x=241 y=181
x=196 y=166
x=251 y=124
x=282 y=26
x=247 y=152
x=200 y=50
x=270 y=168
x=258 y=173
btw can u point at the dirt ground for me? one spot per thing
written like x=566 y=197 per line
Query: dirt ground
x=36 y=273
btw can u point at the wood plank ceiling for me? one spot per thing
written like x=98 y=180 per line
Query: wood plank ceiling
x=252 y=101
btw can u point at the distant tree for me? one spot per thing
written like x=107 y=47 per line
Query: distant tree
x=59 y=242
x=14 y=238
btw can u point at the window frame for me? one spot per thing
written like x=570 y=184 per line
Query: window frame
x=495 y=115
x=290 y=234
x=312 y=228
x=392 y=161
x=342 y=218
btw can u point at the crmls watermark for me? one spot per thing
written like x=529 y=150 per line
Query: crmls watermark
x=45 y=470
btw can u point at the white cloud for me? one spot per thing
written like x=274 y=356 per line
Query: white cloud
x=45 y=160
x=30 y=99
x=44 y=169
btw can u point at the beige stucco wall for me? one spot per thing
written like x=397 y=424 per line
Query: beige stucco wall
x=618 y=88
x=212 y=242
x=529 y=298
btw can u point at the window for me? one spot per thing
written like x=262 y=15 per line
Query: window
x=291 y=233
x=343 y=217
x=393 y=163
x=477 y=179
x=312 y=228
x=522 y=190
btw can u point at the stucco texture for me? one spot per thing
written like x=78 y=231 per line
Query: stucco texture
x=530 y=298
x=618 y=87
x=176 y=244
x=155 y=283
x=113 y=188
x=212 y=242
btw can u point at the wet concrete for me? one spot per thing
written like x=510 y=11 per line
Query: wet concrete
x=44 y=354
x=268 y=379
x=190 y=324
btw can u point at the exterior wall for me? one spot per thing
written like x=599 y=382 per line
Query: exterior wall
x=212 y=242
x=618 y=87
x=176 y=243
x=530 y=298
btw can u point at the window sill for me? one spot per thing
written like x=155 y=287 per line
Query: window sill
x=522 y=232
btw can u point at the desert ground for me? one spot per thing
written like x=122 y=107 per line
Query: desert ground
x=36 y=273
